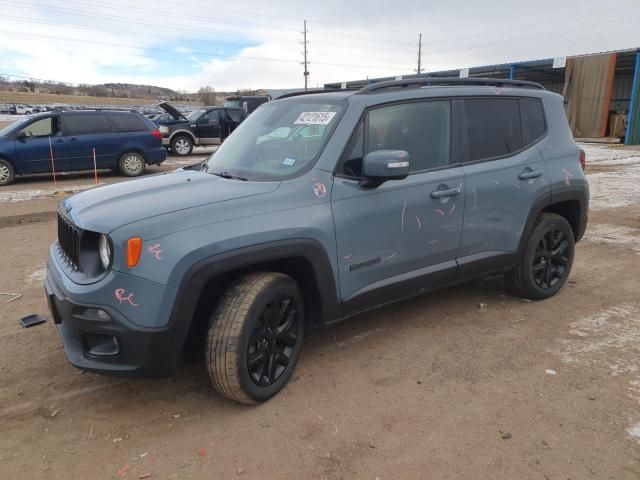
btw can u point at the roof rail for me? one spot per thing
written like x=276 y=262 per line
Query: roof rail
x=447 y=81
x=311 y=92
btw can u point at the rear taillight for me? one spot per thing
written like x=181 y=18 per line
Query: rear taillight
x=157 y=134
x=583 y=159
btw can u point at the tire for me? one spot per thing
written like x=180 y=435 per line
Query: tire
x=7 y=173
x=240 y=333
x=131 y=164
x=181 y=145
x=546 y=262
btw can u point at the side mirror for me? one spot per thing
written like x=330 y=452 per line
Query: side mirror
x=383 y=165
x=22 y=136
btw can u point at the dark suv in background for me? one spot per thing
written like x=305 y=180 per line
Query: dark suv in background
x=123 y=141
x=203 y=126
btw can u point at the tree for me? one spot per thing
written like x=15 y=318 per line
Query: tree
x=207 y=95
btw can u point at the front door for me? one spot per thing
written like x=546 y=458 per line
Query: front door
x=35 y=144
x=404 y=235
x=209 y=128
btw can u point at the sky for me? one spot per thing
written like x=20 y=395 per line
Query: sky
x=254 y=44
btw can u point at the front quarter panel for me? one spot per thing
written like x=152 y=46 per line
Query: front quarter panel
x=298 y=209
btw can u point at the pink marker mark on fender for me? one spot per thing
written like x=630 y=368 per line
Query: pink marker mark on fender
x=121 y=297
x=440 y=212
x=567 y=177
x=155 y=250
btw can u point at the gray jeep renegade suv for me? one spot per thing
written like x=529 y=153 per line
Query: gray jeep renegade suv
x=317 y=207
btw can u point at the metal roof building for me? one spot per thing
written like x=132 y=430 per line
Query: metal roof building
x=618 y=92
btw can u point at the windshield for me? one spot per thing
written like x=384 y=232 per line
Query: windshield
x=193 y=116
x=278 y=141
x=10 y=128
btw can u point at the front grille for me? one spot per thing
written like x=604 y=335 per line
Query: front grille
x=69 y=240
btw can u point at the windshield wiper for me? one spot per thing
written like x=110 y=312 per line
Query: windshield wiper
x=226 y=174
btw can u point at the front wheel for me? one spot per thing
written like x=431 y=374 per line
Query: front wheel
x=7 y=174
x=255 y=337
x=546 y=261
x=131 y=164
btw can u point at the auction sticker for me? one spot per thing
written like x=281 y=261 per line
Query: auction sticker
x=315 y=118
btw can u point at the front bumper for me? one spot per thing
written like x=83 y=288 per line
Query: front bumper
x=135 y=350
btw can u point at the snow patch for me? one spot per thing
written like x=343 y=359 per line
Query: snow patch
x=611 y=336
x=634 y=430
x=37 y=276
x=24 y=195
x=616 y=188
x=614 y=235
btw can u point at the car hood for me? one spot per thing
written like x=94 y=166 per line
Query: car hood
x=171 y=110
x=106 y=208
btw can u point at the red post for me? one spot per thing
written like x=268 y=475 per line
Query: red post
x=95 y=167
x=53 y=165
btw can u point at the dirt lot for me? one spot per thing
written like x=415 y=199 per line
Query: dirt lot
x=465 y=383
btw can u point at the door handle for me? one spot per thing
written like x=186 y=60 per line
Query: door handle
x=59 y=140
x=446 y=192
x=528 y=174
x=73 y=139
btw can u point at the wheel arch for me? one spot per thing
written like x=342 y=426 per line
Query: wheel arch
x=182 y=132
x=572 y=204
x=304 y=260
x=6 y=158
x=137 y=150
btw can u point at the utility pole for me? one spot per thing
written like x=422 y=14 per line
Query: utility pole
x=419 y=70
x=305 y=63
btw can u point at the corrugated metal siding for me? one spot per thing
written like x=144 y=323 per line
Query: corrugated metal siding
x=621 y=94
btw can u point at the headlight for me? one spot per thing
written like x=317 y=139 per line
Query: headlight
x=104 y=248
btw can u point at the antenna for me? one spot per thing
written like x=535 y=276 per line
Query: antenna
x=305 y=53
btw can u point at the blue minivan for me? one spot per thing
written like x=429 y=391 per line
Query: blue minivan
x=124 y=141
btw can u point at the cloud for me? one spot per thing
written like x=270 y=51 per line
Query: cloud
x=259 y=47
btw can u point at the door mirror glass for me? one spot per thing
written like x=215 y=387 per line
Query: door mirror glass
x=22 y=135
x=382 y=165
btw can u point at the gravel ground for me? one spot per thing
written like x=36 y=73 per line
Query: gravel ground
x=463 y=383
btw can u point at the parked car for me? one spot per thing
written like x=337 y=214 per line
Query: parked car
x=247 y=102
x=163 y=119
x=123 y=141
x=203 y=126
x=318 y=207
x=23 y=109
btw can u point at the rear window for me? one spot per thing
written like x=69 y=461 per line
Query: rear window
x=125 y=122
x=533 y=124
x=493 y=127
x=86 y=124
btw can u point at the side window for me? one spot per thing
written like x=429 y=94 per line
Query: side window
x=422 y=129
x=235 y=115
x=493 y=127
x=86 y=124
x=46 y=127
x=124 y=122
x=212 y=117
x=533 y=124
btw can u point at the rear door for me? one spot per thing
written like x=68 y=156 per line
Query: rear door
x=37 y=141
x=208 y=125
x=504 y=176
x=85 y=132
x=403 y=235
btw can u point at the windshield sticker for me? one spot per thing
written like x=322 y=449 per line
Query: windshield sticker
x=289 y=162
x=315 y=118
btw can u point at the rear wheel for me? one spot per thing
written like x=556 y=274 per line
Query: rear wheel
x=131 y=164
x=255 y=337
x=547 y=259
x=7 y=173
x=181 y=146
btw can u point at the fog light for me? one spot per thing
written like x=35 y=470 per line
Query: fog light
x=101 y=344
x=93 y=314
